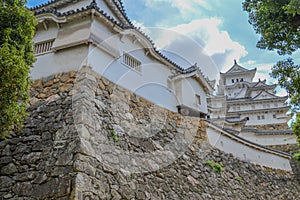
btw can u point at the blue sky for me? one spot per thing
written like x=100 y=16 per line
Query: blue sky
x=218 y=28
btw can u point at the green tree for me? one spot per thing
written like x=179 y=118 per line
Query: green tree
x=17 y=25
x=278 y=23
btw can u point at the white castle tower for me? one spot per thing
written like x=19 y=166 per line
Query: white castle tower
x=250 y=109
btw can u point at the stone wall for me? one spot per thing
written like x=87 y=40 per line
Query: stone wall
x=89 y=139
x=37 y=163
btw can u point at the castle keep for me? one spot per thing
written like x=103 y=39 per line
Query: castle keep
x=250 y=109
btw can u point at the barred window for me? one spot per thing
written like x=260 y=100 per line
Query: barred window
x=131 y=62
x=43 y=47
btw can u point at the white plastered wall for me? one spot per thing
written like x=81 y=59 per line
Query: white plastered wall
x=53 y=63
x=150 y=82
x=191 y=88
x=246 y=152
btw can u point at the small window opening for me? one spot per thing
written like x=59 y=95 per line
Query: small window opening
x=198 y=99
x=130 y=61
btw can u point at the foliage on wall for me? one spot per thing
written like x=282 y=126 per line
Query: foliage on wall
x=17 y=26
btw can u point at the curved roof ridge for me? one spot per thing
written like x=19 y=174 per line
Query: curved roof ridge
x=260 y=81
x=236 y=68
x=64 y=2
x=274 y=95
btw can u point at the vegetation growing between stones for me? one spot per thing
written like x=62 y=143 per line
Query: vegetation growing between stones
x=216 y=167
x=17 y=26
x=239 y=179
x=132 y=175
x=115 y=136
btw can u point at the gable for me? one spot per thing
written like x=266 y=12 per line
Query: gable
x=260 y=84
x=236 y=69
x=264 y=95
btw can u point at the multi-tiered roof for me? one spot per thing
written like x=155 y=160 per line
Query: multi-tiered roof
x=248 y=106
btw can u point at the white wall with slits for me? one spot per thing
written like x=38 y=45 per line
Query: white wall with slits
x=246 y=150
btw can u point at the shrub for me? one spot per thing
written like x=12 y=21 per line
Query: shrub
x=17 y=26
x=216 y=167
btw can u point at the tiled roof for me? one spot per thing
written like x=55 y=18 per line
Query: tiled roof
x=236 y=68
x=194 y=68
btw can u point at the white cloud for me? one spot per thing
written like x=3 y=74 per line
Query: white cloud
x=250 y=62
x=214 y=40
x=185 y=7
x=198 y=39
x=263 y=73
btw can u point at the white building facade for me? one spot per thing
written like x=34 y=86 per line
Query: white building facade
x=98 y=34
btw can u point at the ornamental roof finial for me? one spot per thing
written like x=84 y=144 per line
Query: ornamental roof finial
x=235 y=62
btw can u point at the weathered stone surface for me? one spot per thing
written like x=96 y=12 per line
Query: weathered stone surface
x=115 y=195
x=40 y=178
x=23 y=189
x=26 y=176
x=5 y=183
x=57 y=187
x=9 y=169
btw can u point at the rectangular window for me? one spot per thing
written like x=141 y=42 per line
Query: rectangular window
x=232 y=80
x=262 y=117
x=43 y=47
x=198 y=99
x=258 y=117
x=131 y=62
x=274 y=116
